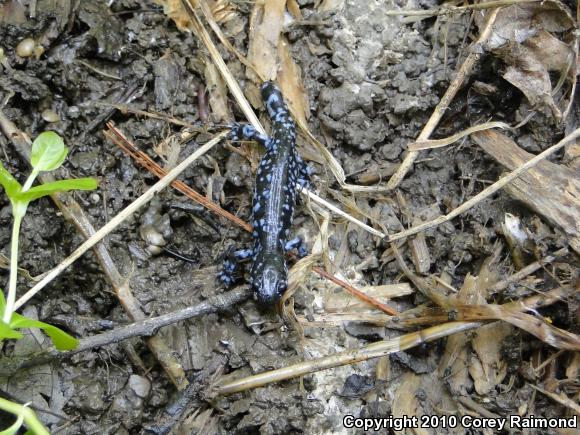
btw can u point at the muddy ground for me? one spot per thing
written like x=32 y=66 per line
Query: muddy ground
x=372 y=82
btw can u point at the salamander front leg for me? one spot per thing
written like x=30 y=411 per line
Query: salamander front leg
x=247 y=132
x=298 y=244
x=230 y=267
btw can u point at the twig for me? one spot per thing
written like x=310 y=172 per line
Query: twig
x=117 y=220
x=190 y=398
x=454 y=87
x=528 y=270
x=448 y=9
x=487 y=191
x=142 y=328
x=359 y=294
x=148 y=163
x=150 y=114
x=559 y=399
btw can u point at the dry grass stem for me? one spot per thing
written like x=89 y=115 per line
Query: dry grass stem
x=440 y=143
x=450 y=9
x=528 y=270
x=403 y=342
x=143 y=159
x=315 y=198
x=232 y=83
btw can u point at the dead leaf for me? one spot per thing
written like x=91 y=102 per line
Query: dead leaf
x=218 y=93
x=489 y=369
x=523 y=37
x=290 y=79
x=266 y=23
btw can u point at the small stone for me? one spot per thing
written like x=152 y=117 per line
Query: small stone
x=25 y=48
x=50 y=115
x=140 y=386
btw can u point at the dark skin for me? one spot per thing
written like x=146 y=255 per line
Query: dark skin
x=280 y=172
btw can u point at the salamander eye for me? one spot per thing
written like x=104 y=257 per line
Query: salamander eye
x=282 y=286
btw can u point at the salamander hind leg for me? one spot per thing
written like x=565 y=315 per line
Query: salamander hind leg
x=228 y=275
x=298 y=244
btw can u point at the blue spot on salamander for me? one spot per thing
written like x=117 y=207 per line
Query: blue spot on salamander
x=280 y=172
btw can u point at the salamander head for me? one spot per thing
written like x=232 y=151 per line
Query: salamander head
x=269 y=280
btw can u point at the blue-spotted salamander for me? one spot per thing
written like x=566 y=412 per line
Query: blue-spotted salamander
x=280 y=172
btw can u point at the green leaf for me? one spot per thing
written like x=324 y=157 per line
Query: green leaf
x=48 y=151
x=60 y=339
x=7 y=332
x=57 y=186
x=8 y=182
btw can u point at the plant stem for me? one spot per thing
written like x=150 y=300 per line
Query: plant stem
x=11 y=298
x=18 y=212
x=29 y=180
x=30 y=419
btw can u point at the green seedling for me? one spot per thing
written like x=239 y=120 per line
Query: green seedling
x=48 y=153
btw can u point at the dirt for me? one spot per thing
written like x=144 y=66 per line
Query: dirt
x=372 y=82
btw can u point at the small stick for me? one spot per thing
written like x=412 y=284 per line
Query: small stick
x=559 y=398
x=490 y=190
x=437 y=114
x=148 y=163
x=117 y=220
x=359 y=294
x=141 y=328
x=150 y=114
x=528 y=270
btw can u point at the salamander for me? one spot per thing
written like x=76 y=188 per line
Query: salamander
x=280 y=172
